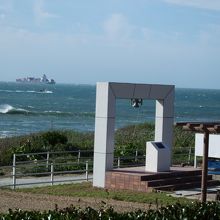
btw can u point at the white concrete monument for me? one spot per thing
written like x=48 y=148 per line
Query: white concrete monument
x=158 y=157
x=106 y=95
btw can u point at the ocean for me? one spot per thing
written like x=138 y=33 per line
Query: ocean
x=29 y=108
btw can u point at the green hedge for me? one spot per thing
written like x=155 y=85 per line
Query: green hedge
x=127 y=141
x=194 y=211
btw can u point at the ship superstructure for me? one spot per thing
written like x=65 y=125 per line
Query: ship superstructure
x=43 y=79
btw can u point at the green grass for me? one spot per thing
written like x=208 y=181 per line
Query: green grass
x=85 y=189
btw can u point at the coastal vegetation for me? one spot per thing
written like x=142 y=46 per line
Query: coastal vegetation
x=127 y=141
x=159 y=205
x=194 y=211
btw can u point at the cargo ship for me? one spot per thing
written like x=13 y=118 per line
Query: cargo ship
x=43 y=79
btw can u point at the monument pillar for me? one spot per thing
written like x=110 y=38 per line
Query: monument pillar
x=106 y=95
x=104 y=133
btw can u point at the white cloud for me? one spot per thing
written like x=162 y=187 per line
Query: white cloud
x=116 y=27
x=203 y=4
x=40 y=13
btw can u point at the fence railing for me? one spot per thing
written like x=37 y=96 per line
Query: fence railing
x=54 y=167
x=183 y=155
x=40 y=175
x=49 y=167
x=129 y=161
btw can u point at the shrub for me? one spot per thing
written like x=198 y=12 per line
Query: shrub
x=133 y=137
x=53 y=138
x=194 y=211
x=127 y=141
x=80 y=140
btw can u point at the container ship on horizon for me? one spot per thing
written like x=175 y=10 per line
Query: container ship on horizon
x=43 y=79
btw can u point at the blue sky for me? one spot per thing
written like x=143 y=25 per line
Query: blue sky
x=142 y=41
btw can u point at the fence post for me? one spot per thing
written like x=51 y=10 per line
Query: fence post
x=47 y=162
x=195 y=161
x=51 y=173
x=136 y=155
x=79 y=154
x=189 y=155
x=87 y=170
x=119 y=162
x=14 y=171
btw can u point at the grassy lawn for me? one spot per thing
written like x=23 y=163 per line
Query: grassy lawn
x=86 y=190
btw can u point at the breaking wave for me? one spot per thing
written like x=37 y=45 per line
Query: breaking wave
x=46 y=91
x=8 y=109
x=27 y=91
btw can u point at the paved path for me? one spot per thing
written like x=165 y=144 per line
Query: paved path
x=41 y=181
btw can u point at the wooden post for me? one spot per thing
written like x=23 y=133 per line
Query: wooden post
x=205 y=166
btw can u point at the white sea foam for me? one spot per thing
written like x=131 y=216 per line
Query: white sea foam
x=6 y=90
x=8 y=109
x=46 y=91
x=26 y=91
x=57 y=112
x=5 y=108
x=49 y=92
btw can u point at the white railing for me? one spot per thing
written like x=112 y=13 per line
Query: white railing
x=48 y=164
x=49 y=177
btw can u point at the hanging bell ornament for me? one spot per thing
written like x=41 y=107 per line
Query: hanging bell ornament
x=136 y=103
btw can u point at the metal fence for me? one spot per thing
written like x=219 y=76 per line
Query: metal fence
x=183 y=155
x=68 y=166
x=57 y=167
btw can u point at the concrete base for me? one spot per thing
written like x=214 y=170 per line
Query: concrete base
x=136 y=179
